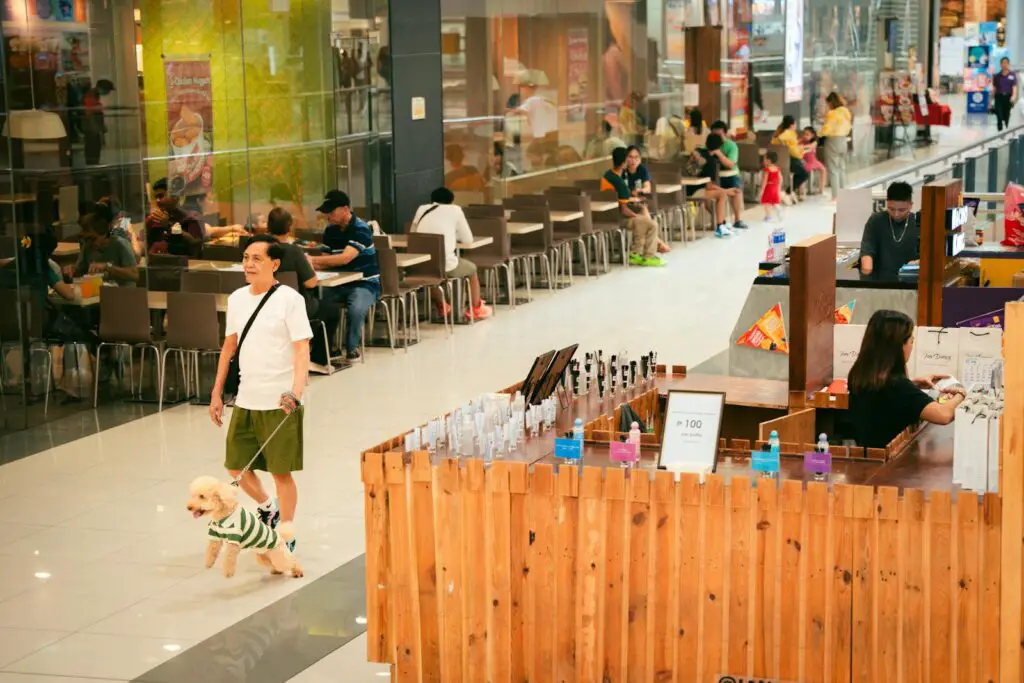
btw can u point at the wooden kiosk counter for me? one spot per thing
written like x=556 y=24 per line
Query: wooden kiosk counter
x=530 y=570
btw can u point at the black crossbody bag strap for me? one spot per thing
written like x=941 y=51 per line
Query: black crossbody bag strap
x=252 y=318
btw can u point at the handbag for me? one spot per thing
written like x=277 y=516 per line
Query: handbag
x=234 y=376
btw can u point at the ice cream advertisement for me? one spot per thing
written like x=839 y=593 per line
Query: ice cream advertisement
x=189 y=126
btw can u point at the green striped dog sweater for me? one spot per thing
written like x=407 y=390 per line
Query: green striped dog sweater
x=244 y=529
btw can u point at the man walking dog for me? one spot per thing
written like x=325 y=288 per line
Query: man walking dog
x=267 y=327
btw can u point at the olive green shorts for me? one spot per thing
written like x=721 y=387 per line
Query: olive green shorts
x=249 y=429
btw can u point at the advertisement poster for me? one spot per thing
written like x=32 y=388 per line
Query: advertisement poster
x=189 y=126
x=978 y=78
x=844 y=314
x=768 y=333
x=794 y=81
x=74 y=53
x=675 y=22
x=577 y=59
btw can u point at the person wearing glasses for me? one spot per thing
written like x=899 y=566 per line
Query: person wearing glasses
x=891 y=238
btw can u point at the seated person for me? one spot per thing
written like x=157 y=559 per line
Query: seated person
x=638 y=180
x=644 y=228
x=350 y=240
x=443 y=217
x=461 y=178
x=34 y=268
x=602 y=144
x=120 y=224
x=883 y=400
x=279 y=227
x=104 y=254
x=728 y=156
x=708 y=166
x=169 y=228
x=892 y=237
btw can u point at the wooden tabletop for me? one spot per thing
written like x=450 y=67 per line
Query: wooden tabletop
x=694 y=182
x=565 y=216
x=670 y=189
x=23 y=198
x=157 y=301
x=739 y=391
x=524 y=228
x=406 y=260
x=599 y=207
x=67 y=249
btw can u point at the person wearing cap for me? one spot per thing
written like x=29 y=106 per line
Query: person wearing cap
x=94 y=128
x=350 y=240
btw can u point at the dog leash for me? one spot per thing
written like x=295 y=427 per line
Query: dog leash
x=237 y=480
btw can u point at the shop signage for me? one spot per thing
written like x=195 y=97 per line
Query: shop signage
x=419 y=108
x=794 y=76
x=693 y=421
x=956 y=239
x=568 y=449
x=620 y=451
x=817 y=463
x=724 y=678
x=764 y=461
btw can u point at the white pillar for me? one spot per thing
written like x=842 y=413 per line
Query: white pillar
x=1015 y=32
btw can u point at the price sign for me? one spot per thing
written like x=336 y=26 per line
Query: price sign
x=818 y=463
x=568 y=449
x=620 y=451
x=764 y=461
x=693 y=421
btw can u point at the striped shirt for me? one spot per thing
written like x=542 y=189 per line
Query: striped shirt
x=244 y=529
x=358 y=235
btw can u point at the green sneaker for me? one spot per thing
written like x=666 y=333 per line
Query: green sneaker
x=636 y=260
x=653 y=261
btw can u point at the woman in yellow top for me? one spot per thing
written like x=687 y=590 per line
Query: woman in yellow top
x=785 y=134
x=836 y=131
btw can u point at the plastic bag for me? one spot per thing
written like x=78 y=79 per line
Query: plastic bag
x=1013 y=204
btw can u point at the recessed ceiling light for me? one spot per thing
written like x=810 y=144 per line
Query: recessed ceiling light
x=172 y=647
x=159 y=508
x=361 y=621
x=42 y=575
x=384 y=674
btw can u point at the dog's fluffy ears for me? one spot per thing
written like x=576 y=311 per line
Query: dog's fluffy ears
x=213 y=487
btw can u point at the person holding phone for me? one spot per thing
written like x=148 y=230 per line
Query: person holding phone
x=883 y=399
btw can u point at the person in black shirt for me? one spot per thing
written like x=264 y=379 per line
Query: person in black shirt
x=883 y=400
x=891 y=237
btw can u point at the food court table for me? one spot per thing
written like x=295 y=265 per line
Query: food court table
x=406 y=260
x=326 y=278
x=599 y=207
x=694 y=182
x=402 y=242
x=515 y=228
x=565 y=216
x=670 y=189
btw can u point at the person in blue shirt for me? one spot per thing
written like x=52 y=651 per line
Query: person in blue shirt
x=350 y=240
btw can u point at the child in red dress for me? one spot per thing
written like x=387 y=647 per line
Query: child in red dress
x=771 y=181
x=809 y=141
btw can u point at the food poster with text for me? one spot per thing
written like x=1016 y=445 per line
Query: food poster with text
x=189 y=126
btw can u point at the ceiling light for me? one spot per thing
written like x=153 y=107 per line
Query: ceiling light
x=42 y=575
x=172 y=647
x=361 y=621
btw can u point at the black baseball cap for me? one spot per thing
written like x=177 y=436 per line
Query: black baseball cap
x=335 y=199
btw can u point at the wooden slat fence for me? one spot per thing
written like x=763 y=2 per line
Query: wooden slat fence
x=535 y=574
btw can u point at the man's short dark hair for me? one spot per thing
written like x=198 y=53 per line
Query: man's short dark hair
x=442 y=195
x=619 y=155
x=713 y=142
x=1004 y=59
x=720 y=125
x=279 y=222
x=274 y=249
x=900 y=192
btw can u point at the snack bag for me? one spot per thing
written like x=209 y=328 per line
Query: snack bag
x=1013 y=204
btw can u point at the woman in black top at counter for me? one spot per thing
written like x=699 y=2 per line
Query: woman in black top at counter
x=883 y=400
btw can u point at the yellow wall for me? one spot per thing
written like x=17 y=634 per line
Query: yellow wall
x=252 y=109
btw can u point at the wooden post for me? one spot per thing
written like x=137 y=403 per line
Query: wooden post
x=703 y=65
x=1012 y=492
x=935 y=199
x=812 y=306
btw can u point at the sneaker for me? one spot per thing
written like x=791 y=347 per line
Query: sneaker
x=270 y=517
x=319 y=368
x=636 y=260
x=352 y=355
x=653 y=261
x=480 y=312
x=723 y=231
x=739 y=225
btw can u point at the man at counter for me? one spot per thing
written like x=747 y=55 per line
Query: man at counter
x=891 y=237
x=883 y=400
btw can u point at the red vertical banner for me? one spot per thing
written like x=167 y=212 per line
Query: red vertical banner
x=189 y=126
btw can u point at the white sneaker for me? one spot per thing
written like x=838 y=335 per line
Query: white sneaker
x=723 y=231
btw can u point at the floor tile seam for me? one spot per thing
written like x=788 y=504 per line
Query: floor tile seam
x=6 y=668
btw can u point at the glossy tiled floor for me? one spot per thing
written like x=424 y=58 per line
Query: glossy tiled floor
x=101 y=568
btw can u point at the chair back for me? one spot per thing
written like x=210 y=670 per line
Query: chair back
x=200 y=281
x=561 y=189
x=426 y=243
x=289 y=279
x=749 y=157
x=484 y=211
x=560 y=201
x=467 y=197
x=525 y=201
x=387 y=261
x=670 y=171
x=497 y=229
x=589 y=185
x=231 y=280
x=381 y=242
x=543 y=238
x=161 y=278
x=309 y=235
x=192 y=321
x=124 y=315
x=167 y=260
x=222 y=252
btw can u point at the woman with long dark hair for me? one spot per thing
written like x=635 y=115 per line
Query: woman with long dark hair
x=883 y=400
x=785 y=134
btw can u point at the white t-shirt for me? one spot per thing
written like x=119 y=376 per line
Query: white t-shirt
x=542 y=115
x=447 y=220
x=266 y=359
